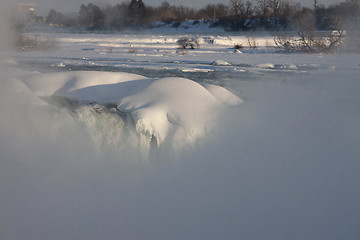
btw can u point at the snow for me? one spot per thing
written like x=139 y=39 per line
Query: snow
x=284 y=164
x=221 y=63
x=157 y=115
x=146 y=50
x=172 y=102
x=15 y=87
x=266 y=65
x=176 y=110
x=61 y=84
x=223 y=95
x=163 y=108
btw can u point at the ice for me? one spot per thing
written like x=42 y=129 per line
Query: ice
x=205 y=70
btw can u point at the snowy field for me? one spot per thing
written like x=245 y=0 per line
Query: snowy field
x=125 y=136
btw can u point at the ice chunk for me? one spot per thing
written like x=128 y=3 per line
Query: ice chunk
x=221 y=63
x=223 y=95
x=266 y=65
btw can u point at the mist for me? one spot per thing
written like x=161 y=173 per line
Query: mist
x=5 y=28
x=283 y=165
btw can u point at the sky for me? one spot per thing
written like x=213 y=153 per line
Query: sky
x=43 y=6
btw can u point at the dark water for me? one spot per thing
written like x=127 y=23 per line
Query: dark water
x=222 y=76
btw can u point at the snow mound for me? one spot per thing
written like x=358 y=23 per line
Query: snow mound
x=15 y=87
x=172 y=110
x=60 y=84
x=223 y=95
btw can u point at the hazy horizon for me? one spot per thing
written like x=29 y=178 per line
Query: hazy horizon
x=43 y=6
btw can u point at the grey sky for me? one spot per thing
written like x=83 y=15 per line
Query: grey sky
x=73 y=5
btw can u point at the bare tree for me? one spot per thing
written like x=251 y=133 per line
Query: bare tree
x=237 y=7
x=213 y=11
x=221 y=11
x=263 y=8
x=185 y=42
x=308 y=39
x=275 y=7
x=116 y=16
x=166 y=12
x=249 y=9
x=184 y=13
x=91 y=16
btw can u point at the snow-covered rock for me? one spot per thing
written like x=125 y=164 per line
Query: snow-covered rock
x=174 y=110
x=61 y=84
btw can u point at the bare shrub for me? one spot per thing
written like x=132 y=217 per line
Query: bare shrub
x=185 y=42
x=238 y=46
x=286 y=43
x=308 y=39
x=310 y=42
x=267 y=43
x=251 y=42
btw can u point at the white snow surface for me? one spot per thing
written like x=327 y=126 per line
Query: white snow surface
x=62 y=84
x=166 y=109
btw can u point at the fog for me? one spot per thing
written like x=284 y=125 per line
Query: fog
x=283 y=165
x=5 y=30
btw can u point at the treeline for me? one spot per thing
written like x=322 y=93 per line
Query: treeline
x=236 y=15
